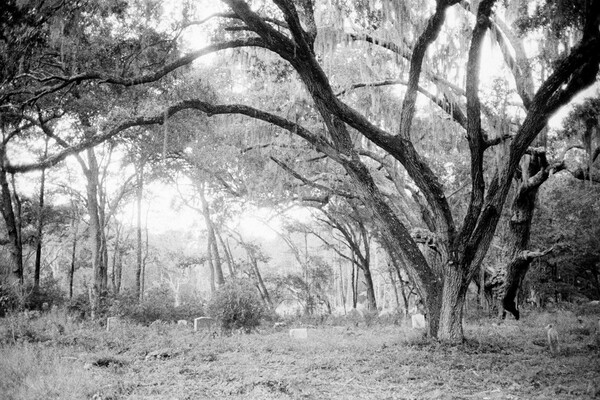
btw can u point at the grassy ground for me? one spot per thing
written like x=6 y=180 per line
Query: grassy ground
x=52 y=358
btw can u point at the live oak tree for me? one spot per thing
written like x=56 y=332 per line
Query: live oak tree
x=443 y=283
x=297 y=32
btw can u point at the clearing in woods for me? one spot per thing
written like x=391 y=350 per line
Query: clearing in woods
x=381 y=361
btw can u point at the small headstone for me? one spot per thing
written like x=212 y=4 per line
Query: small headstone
x=418 y=321
x=111 y=322
x=203 y=323
x=182 y=322
x=299 y=333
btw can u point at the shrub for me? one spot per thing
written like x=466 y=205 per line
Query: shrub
x=79 y=307
x=157 y=305
x=49 y=294
x=18 y=298
x=236 y=305
x=9 y=299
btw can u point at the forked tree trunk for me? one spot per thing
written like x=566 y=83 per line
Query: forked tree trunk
x=213 y=248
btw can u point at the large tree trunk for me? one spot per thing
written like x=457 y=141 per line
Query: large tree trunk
x=96 y=230
x=371 y=299
x=534 y=172
x=450 y=317
x=15 y=247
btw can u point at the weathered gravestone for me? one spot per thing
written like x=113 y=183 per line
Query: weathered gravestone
x=204 y=323
x=112 y=322
x=418 y=321
x=299 y=333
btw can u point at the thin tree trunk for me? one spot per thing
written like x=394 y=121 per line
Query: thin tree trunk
x=73 y=259
x=227 y=251
x=261 y=283
x=394 y=288
x=40 y=228
x=354 y=278
x=143 y=283
x=115 y=257
x=342 y=288
x=211 y=266
x=139 y=198
x=213 y=249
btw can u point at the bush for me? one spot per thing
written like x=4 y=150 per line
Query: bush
x=157 y=305
x=236 y=305
x=49 y=294
x=9 y=299
x=18 y=298
x=79 y=307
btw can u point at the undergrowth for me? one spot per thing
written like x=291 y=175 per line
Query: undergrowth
x=338 y=360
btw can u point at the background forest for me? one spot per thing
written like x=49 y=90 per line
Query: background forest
x=329 y=154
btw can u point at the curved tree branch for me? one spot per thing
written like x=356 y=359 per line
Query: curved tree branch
x=319 y=142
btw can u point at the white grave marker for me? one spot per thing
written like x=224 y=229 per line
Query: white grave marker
x=111 y=322
x=418 y=321
x=299 y=333
x=203 y=323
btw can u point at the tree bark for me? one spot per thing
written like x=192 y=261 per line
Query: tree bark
x=40 y=229
x=96 y=229
x=534 y=172
x=261 y=283
x=213 y=248
x=227 y=252
x=15 y=247
x=116 y=261
x=394 y=287
x=139 y=243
